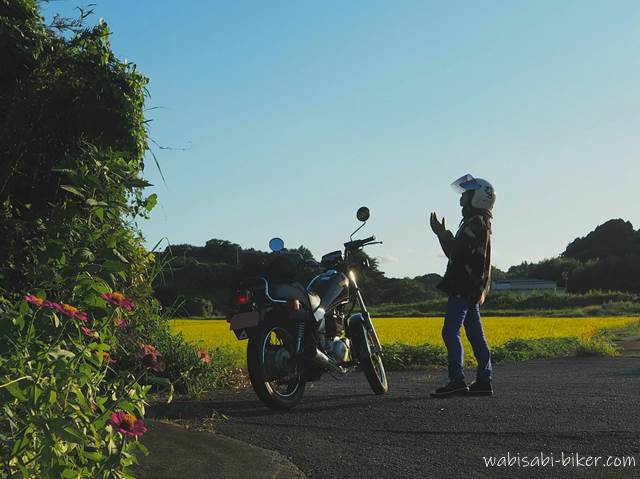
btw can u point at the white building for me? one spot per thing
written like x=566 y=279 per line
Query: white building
x=523 y=284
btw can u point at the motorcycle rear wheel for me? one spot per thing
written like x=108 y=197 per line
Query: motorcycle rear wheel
x=275 y=375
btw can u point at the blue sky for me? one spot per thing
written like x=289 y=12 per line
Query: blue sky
x=296 y=113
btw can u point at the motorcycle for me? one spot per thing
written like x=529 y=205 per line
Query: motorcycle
x=297 y=334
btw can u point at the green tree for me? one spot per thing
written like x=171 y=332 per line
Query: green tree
x=612 y=238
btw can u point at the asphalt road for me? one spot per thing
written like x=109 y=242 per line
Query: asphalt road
x=589 y=406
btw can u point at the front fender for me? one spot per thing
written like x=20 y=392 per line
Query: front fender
x=356 y=331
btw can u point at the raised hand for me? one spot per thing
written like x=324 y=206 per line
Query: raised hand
x=437 y=227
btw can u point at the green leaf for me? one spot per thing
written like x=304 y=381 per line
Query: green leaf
x=119 y=255
x=20 y=444
x=151 y=202
x=138 y=183
x=86 y=254
x=163 y=382
x=69 y=434
x=19 y=321
x=100 y=286
x=95 y=301
x=91 y=202
x=143 y=449
x=113 y=266
x=99 y=213
x=60 y=353
x=40 y=293
x=36 y=394
x=15 y=391
x=93 y=456
x=72 y=189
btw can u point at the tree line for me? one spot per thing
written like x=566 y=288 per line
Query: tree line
x=198 y=280
x=608 y=258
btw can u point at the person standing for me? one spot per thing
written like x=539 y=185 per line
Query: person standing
x=467 y=281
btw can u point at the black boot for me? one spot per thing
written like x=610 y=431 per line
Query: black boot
x=480 y=388
x=451 y=389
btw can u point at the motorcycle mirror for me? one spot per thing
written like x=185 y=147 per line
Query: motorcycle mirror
x=363 y=214
x=276 y=244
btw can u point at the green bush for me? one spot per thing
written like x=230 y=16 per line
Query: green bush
x=194 y=370
x=194 y=306
x=60 y=389
x=72 y=141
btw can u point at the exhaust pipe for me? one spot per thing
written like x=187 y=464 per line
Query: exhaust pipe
x=318 y=357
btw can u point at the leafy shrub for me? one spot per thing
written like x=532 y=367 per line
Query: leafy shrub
x=60 y=391
x=72 y=138
x=194 y=370
x=198 y=307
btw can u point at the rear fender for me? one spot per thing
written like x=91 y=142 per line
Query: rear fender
x=243 y=324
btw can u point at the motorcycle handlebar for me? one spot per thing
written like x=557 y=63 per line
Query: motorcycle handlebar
x=359 y=243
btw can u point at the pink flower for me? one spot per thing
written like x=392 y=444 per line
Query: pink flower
x=90 y=333
x=118 y=299
x=30 y=298
x=70 y=311
x=127 y=424
x=63 y=308
x=204 y=356
x=150 y=358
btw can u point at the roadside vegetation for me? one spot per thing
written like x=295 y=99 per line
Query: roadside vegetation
x=83 y=341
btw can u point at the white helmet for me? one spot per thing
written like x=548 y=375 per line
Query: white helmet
x=484 y=195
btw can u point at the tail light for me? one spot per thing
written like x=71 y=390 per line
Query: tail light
x=242 y=298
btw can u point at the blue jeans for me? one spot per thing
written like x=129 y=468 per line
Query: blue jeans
x=460 y=311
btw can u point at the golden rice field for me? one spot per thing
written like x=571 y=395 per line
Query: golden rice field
x=412 y=331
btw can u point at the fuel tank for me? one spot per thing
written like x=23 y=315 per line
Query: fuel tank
x=333 y=288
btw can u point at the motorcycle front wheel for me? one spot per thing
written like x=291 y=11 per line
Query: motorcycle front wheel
x=275 y=374
x=374 y=369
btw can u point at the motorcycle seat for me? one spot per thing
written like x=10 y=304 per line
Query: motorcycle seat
x=294 y=291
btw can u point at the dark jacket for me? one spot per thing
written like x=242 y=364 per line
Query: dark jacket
x=469 y=252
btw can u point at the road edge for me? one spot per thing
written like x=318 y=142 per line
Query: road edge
x=175 y=452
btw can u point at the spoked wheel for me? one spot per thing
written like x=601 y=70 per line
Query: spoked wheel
x=374 y=369
x=275 y=374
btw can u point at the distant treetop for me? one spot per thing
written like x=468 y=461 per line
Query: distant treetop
x=613 y=238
